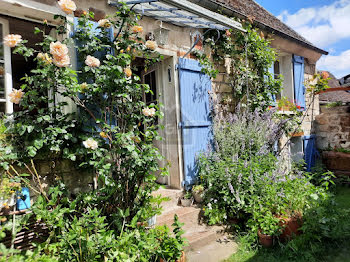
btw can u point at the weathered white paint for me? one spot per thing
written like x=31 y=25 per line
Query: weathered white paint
x=8 y=70
x=30 y=10
x=286 y=67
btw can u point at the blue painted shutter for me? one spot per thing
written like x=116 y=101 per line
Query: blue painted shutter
x=196 y=123
x=310 y=151
x=299 y=88
x=90 y=124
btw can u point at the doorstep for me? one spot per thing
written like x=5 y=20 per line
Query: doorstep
x=206 y=243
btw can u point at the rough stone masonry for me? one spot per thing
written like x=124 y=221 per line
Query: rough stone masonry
x=333 y=128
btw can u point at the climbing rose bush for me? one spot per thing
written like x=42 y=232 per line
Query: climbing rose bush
x=112 y=131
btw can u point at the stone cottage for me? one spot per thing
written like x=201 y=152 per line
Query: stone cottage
x=175 y=25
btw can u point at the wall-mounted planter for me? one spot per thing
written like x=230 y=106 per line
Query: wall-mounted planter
x=24 y=199
x=297 y=134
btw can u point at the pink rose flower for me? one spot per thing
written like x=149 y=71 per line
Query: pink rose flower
x=12 y=40
x=57 y=49
x=104 y=23
x=137 y=29
x=61 y=61
x=16 y=96
x=128 y=72
x=67 y=6
x=92 y=61
x=151 y=45
x=149 y=111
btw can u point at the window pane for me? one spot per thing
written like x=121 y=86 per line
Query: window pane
x=150 y=79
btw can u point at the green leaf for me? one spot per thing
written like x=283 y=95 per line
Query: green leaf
x=46 y=118
x=38 y=143
x=30 y=129
x=31 y=151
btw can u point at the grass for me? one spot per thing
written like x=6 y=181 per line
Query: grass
x=332 y=252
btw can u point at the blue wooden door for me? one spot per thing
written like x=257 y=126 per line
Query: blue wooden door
x=310 y=151
x=196 y=121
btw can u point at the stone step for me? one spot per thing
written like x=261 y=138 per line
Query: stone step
x=173 y=196
x=187 y=215
x=197 y=234
x=203 y=236
x=218 y=250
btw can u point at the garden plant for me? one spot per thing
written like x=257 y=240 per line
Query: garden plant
x=250 y=183
x=110 y=131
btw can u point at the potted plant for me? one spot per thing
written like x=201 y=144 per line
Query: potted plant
x=197 y=192
x=187 y=199
x=172 y=248
x=290 y=226
x=285 y=105
x=269 y=227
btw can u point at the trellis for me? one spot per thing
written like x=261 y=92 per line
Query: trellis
x=181 y=13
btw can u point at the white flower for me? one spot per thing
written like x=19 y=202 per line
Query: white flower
x=104 y=23
x=92 y=61
x=91 y=144
x=67 y=6
x=12 y=40
x=149 y=111
x=16 y=96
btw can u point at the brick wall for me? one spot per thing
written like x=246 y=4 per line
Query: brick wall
x=333 y=127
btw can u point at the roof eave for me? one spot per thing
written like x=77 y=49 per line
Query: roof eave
x=277 y=32
x=231 y=11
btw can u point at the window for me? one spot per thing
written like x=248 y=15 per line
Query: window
x=5 y=70
x=150 y=79
x=284 y=66
x=276 y=74
x=296 y=149
x=14 y=67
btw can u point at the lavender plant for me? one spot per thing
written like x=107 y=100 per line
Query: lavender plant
x=245 y=179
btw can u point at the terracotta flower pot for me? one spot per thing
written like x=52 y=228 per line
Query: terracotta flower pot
x=265 y=240
x=182 y=259
x=291 y=227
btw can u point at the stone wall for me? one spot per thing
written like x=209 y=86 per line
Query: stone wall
x=333 y=128
x=312 y=107
x=51 y=171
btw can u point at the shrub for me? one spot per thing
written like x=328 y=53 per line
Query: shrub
x=245 y=180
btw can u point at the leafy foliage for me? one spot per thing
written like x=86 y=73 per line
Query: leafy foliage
x=111 y=133
x=247 y=57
